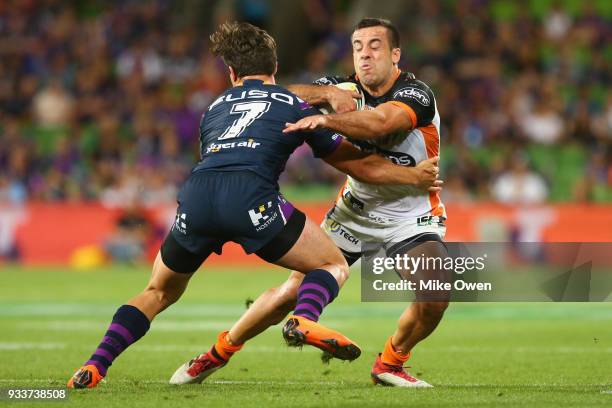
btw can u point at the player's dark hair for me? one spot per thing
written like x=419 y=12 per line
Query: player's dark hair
x=392 y=31
x=249 y=50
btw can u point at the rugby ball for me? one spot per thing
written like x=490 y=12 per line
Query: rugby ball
x=349 y=86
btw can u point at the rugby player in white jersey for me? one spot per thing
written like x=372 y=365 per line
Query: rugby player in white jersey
x=401 y=123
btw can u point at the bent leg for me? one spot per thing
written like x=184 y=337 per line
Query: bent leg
x=326 y=270
x=315 y=250
x=164 y=288
x=270 y=308
x=132 y=321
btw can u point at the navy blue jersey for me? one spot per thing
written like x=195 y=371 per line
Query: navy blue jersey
x=242 y=130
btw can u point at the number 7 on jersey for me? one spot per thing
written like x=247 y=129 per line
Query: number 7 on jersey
x=249 y=111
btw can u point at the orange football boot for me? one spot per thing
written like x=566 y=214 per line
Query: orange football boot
x=299 y=331
x=86 y=377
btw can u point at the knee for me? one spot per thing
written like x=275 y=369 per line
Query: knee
x=432 y=310
x=339 y=269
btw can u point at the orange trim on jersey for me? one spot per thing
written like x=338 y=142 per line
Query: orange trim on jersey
x=339 y=196
x=398 y=72
x=408 y=110
x=432 y=140
x=432 y=144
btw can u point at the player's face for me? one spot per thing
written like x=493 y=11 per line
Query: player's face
x=373 y=57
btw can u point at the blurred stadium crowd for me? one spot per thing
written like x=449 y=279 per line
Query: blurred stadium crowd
x=102 y=99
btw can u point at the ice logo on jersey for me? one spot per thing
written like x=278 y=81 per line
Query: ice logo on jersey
x=413 y=93
x=263 y=216
x=180 y=223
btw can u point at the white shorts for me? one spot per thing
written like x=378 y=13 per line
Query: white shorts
x=350 y=231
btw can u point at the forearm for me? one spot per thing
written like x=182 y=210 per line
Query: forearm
x=313 y=94
x=362 y=125
x=379 y=171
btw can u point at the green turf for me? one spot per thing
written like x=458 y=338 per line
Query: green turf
x=489 y=354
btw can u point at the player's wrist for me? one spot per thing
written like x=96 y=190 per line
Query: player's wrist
x=414 y=177
x=328 y=93
x=323 y=121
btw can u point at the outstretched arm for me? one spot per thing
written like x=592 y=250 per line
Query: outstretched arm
x=374 y=169
x=385 y=119
x=341 y=100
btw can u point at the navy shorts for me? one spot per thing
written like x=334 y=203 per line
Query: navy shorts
x=239 y=206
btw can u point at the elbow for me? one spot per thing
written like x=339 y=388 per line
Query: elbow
x=380 y=128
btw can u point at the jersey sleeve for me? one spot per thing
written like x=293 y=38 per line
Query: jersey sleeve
x=323 y=142
x=417 y=100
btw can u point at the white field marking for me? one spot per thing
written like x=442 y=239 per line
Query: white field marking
x=218 y=382
x=215 y=310
x=203 y=349
x=106 y=310
x=228 y=382
x=340 y=311
x=163 y=325
x=195 y=348
x=519 y=349
x=9 y=346
x=86 y=325
x=12 y=346
x=223 y=382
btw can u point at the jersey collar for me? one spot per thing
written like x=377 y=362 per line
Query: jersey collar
x=250 y=82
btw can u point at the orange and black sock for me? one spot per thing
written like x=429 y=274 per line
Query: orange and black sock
x=391 y=356
x=223 y=350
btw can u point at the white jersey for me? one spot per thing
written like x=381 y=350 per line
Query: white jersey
x=382 y=206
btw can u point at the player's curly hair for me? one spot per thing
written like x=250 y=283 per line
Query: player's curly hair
x=249 y=50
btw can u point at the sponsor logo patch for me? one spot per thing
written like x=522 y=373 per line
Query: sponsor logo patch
x=215 y=147
x=352 y=202
x=336 y=228
x=413 y=93
x=263 y=216
x=377 y=219
x=180 y=224
x=431 y=220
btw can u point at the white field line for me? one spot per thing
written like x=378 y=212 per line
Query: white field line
x=342 y=314
x=219 y=382
x=340 y=383
x=89 y=310
x=12 y=346
x=215 y=310
x=165 y=326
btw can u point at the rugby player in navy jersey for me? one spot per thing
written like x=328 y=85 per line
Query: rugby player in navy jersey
x=401 y=123
x=232 y=194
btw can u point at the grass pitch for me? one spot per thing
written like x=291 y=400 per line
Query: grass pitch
x=489 y=354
